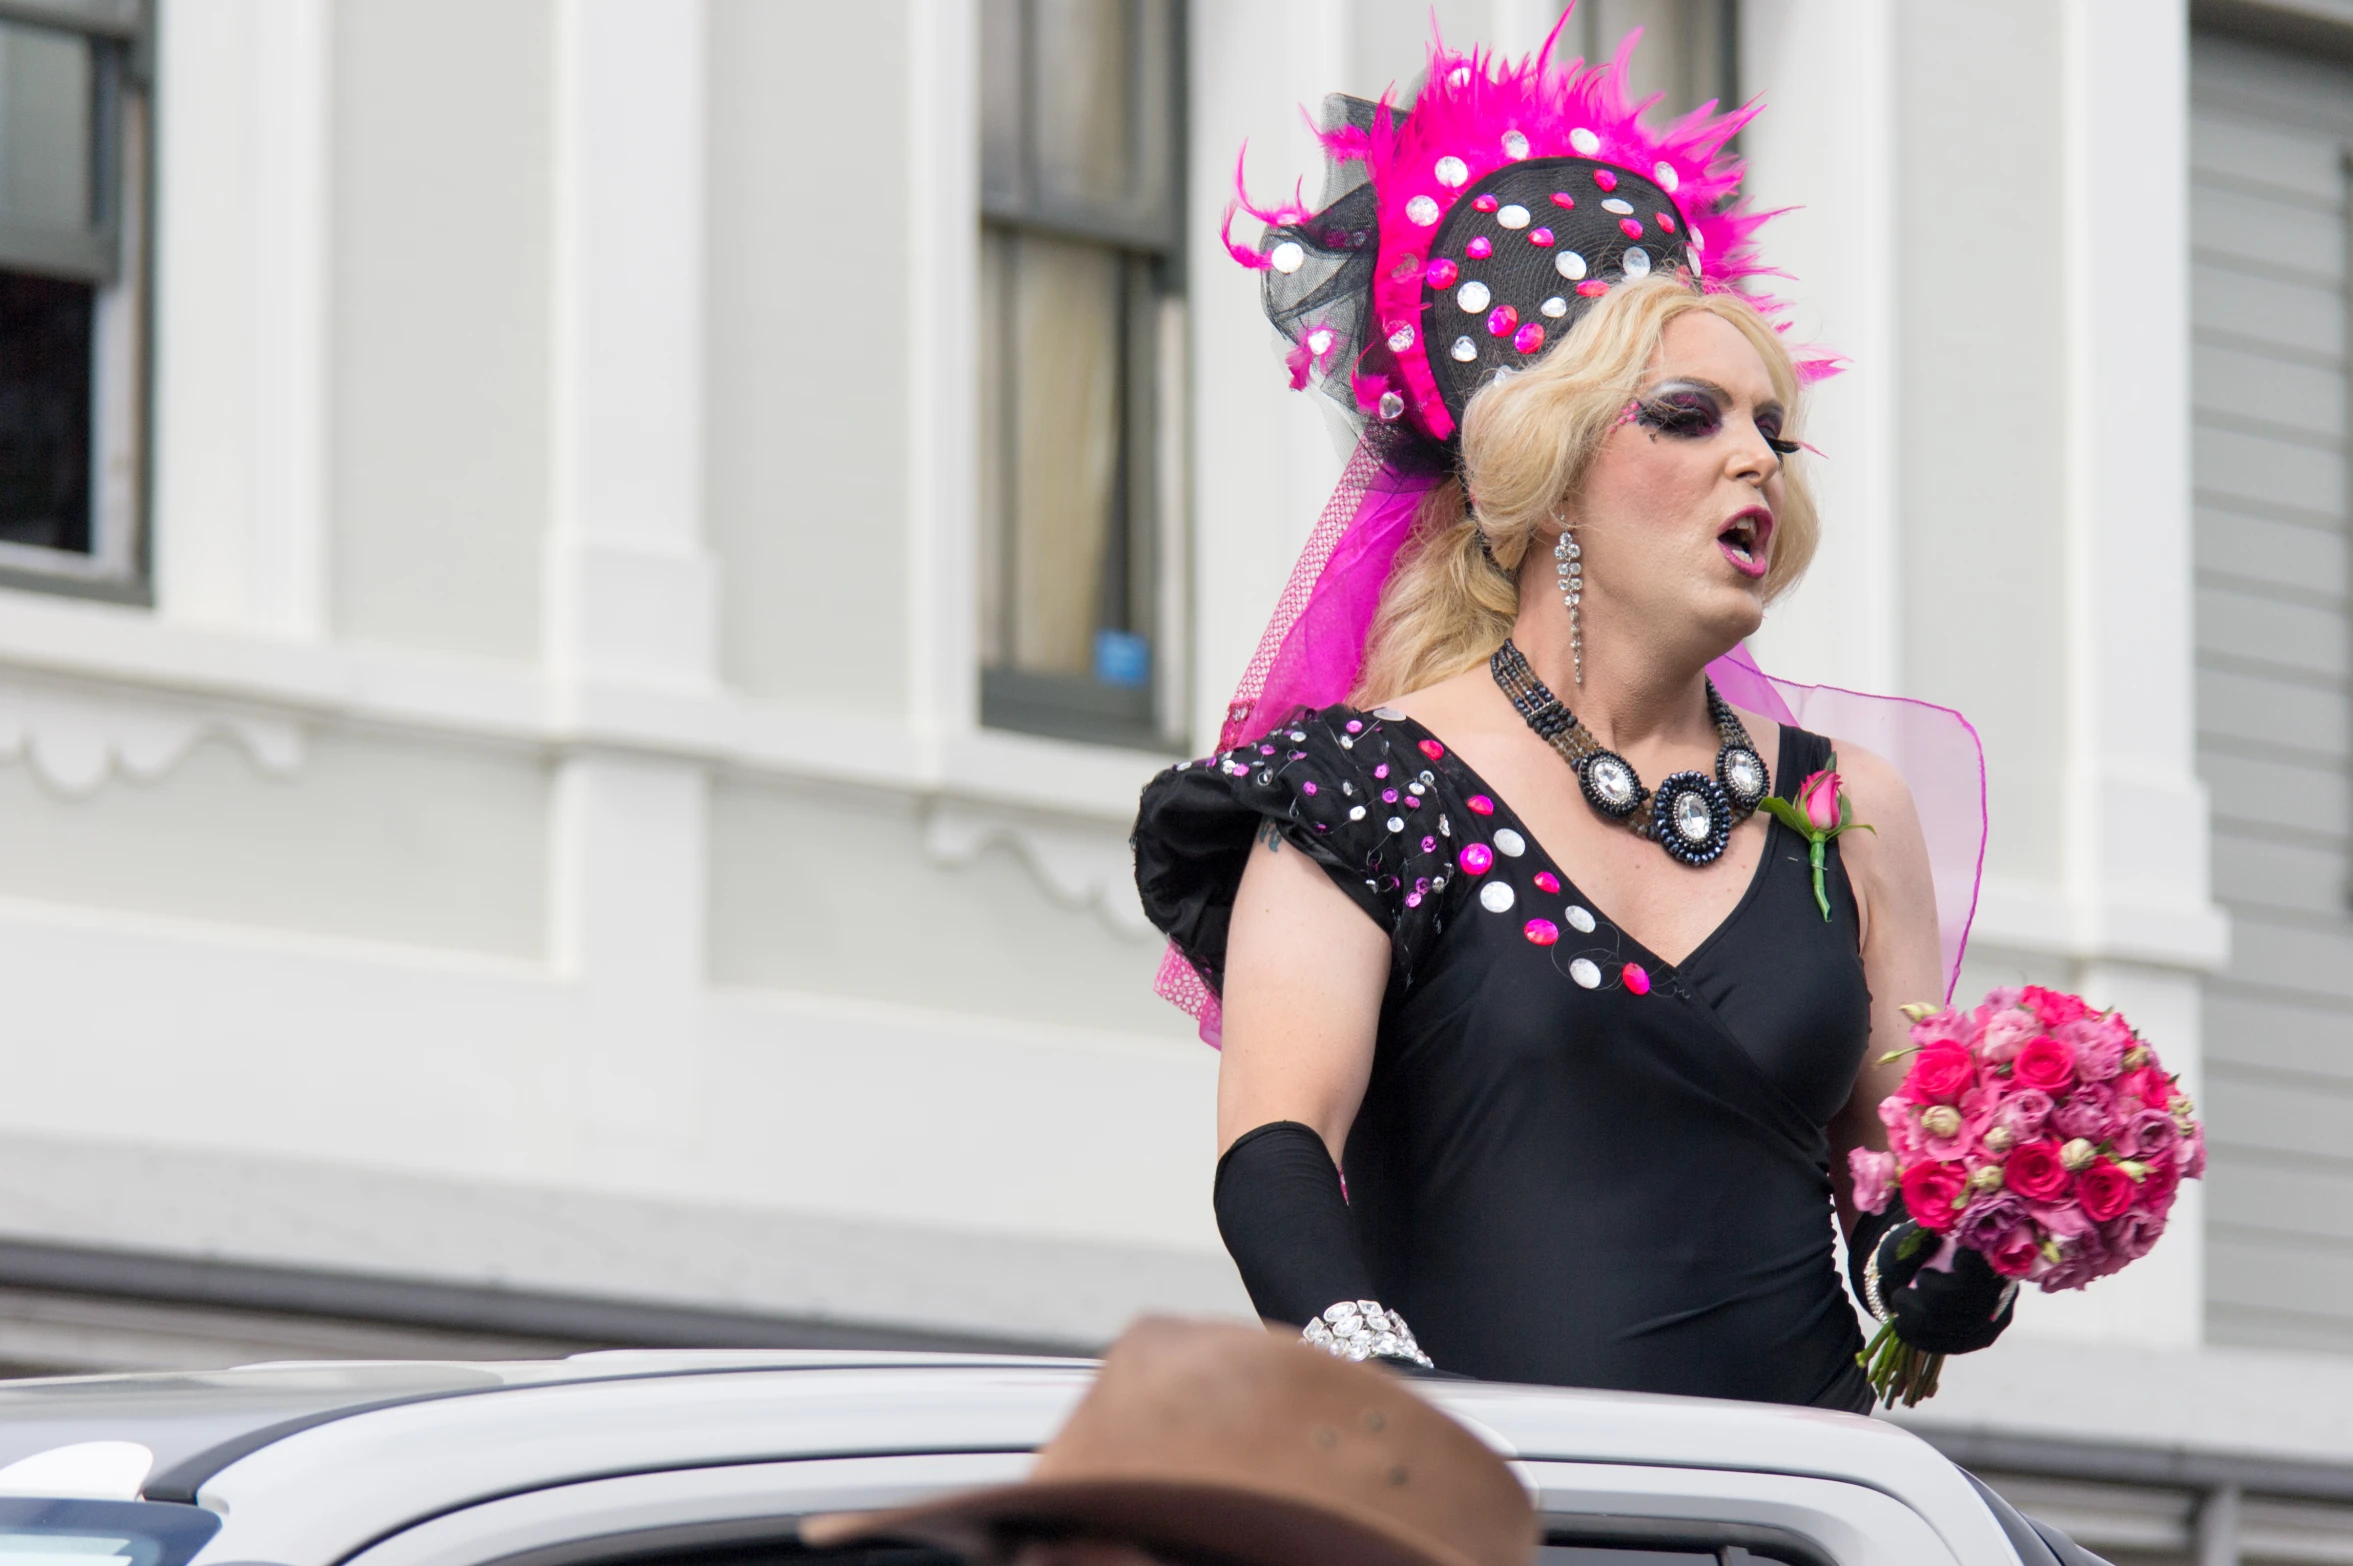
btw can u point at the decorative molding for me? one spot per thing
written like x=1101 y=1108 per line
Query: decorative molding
x=1080 y=866
x=448 y=696
x=75 y=741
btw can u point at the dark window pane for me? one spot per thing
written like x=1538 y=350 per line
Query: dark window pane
x=47 y=89
x=1686 y=51
x=45 y=343
x=1063 y=343
x=1078 y=116
x=1083 y=77
x=1152 y=179
x=1078 y=176
x=1002 y=181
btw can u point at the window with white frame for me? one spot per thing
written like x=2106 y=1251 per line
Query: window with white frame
x=1081 y=181
x=73 y=188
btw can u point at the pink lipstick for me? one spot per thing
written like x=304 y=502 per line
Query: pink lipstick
x=1744 y=539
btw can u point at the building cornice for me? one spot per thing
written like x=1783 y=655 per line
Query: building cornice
x=450 y=697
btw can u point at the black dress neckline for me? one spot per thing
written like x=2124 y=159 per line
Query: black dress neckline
x=1574 y=1163
x=1504 y=807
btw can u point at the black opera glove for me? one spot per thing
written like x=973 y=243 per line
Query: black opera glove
x=1955 y=1312
x=1284 y=1217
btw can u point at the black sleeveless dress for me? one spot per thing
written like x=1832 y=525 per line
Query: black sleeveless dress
x=1575 y=1164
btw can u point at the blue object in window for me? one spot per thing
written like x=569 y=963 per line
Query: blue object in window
x=1122 y=658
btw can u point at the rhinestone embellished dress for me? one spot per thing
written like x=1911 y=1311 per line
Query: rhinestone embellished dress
x=1575 y=1164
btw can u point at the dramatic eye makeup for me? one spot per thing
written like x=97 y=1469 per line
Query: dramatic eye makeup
x=1769 y=426
x=1682 y=409
x=1694 y=410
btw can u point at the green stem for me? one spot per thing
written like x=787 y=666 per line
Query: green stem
x=1933 y=1374
x=1821 y=893
x=1898 y=1372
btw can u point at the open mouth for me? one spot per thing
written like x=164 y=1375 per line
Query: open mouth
x=1743 y=540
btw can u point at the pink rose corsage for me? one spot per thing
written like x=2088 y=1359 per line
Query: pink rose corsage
x=1819 y=812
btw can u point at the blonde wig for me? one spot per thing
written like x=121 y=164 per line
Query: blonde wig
x=1528 y=440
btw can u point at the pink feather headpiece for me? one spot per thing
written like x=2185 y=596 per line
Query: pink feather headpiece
x=1465 y=234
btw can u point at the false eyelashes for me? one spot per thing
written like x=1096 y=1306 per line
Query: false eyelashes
x=1688 y=413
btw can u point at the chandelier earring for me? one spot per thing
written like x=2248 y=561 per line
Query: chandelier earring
x=1571 y=571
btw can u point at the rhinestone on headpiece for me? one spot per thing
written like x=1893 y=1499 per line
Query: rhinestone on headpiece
x=1498 y=170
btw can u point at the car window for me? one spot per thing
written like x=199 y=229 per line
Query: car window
x=788 y=1552
x=769 y=1542
x=1658 y=1555
x=1560 y=1549
x=1651 y=1541
x=2036 y=1541
x=35 y=1532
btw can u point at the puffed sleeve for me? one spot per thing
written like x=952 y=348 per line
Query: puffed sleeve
x=1351 y=790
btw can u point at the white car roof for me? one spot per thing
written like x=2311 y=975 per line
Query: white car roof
x=378 y=1445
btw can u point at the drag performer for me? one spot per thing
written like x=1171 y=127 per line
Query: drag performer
x=1549 y=953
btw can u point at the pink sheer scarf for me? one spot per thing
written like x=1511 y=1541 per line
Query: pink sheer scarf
x=1936 y=750
x=1313 y=650
x=1313 y=647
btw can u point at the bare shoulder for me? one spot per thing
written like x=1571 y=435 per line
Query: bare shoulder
x=1889 y=870
x=1880 y=795
x=1890 y=860
x=1459 y=703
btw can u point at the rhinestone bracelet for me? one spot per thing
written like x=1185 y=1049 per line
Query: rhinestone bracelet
x=1877 y=1304
x=1361 y=1329
x=1871 y=1299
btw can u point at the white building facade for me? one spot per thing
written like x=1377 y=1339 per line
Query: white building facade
x=569 y=728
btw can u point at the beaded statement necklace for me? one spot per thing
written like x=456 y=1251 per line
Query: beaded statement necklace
x=1691 y=815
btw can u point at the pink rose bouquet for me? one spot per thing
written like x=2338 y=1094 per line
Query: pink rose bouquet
x=2035 y=1131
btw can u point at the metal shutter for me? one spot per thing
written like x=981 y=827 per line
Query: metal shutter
x=2269 y=136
